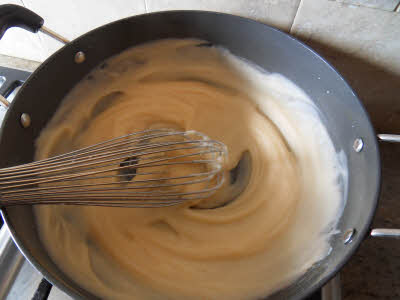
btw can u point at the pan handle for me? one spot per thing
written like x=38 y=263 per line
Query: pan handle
x=17 y=16
x=386 y=232
x=390 y=138
x=12 y=15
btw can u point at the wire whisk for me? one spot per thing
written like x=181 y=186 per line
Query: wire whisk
x=151 y=168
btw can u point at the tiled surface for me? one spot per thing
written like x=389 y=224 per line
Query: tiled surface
x=389 y=5
x=368 y=33
x=18 y=63
x=364 y=45
x=56 y=294
x=73 y=18
x=278 y=13
x=25 y=286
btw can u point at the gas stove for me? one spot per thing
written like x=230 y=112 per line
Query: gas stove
x=18 y=279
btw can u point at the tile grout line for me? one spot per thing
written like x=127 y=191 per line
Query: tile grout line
x=294 y=18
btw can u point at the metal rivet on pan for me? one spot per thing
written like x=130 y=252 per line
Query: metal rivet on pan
x=348 y=236
x=25 y=120
x=80 y=57
x=358 y=144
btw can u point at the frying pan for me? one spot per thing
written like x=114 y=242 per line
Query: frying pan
x=344 y=116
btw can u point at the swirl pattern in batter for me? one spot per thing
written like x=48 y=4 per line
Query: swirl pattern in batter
x=271 y=234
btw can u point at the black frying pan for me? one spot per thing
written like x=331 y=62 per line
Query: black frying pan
x=343 y=114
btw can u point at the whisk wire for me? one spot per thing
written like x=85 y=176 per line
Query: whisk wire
x=183 y=166
x=89 y=166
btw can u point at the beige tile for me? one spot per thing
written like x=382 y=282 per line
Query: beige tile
x=74 y=17
x=389 y=5
x=56 y=294
x=278 y=13
x=368 y=33
x=26 y=283
x=21 y=43
x=18 y=63
x=364 y=45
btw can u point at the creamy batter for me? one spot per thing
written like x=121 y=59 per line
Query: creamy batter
x=270 y=235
